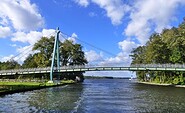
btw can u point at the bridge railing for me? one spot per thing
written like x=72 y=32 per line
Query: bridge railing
x=47 y=69
x=159 y=65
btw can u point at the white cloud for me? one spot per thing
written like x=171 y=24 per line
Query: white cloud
x=83 y=3
x=115 y=9
x=4 y=32
x=149 y=15
x=48 y=32
x=72 y=38
x=6 y=58
x=32 y=36
x=122 y=59
x=21 y=14
x=127 y=45
x=92 y=56
x=24 y=52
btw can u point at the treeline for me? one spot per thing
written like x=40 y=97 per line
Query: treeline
x=70 y=54
x=167 y=47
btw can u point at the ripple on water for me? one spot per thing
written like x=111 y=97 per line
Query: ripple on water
x=97 y=96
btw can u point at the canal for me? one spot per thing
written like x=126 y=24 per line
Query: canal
x=97 y=96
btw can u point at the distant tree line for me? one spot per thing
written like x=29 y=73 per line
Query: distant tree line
x=167 y=47
x=70 y=54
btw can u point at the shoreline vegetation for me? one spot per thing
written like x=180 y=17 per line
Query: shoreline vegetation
x=71 y=54
x=161 y=84
x=164 y=48
x=12 y=86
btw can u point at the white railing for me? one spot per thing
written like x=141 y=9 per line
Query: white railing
x=47 y=69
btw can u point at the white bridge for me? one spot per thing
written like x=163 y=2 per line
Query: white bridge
x=84 y=68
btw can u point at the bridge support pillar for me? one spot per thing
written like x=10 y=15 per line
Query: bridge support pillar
x=56 y=54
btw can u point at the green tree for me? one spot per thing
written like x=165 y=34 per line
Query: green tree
x=12 y=64
x=29 y=62
x=163 y=48
x=44 y=47
x=72 y=54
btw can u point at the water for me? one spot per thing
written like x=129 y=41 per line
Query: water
x=97 y=96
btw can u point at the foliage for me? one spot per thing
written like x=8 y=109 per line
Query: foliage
x=29 y=62
x=70 y=54
x=9 y=65
x=166 y=47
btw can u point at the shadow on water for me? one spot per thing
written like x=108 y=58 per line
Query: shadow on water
x=57 y=99
x=158 y=99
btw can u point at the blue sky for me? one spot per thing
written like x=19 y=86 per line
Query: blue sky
x=116 y=26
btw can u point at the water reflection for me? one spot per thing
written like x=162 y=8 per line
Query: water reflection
x=98 y=96
x=159 y=99
x=57 y=99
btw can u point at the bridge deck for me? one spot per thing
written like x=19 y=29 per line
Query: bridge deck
x=163 y=67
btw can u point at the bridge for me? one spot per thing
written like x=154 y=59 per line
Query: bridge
x=84 y=68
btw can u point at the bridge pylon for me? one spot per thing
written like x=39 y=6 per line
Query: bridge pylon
x=55 y=54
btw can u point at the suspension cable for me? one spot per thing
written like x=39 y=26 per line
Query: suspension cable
x=98 y=48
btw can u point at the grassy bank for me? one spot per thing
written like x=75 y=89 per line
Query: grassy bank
x=161 y=84
x=15 y=87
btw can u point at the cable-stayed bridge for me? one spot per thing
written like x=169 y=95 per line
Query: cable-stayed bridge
x=84 y=68
x=60 y=69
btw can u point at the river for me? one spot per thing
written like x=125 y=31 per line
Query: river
x=97 y=96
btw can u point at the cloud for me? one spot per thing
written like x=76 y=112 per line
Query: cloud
x=32 y=36
x=23 y=53
x=93 y=56
x=122 y=59
x=115 y=9
x=73 y=37
x=127 y=45
x=21 y=14
x=6 y=58
x=150 y=15
x=5 y=31
x=48 y=32
x=83 y=3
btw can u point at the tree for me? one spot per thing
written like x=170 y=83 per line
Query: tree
x=45 y=48
x=70 y=54
x=163 y=48
x=12 y=64
x=29 y=62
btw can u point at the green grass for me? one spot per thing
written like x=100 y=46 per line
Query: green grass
x=68 y=81
x=11 y=87
x=20 y=83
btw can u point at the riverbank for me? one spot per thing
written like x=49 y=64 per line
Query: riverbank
x=161 y=84
x=16 y=87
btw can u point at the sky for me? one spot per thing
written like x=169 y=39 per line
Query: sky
x=113 y=27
